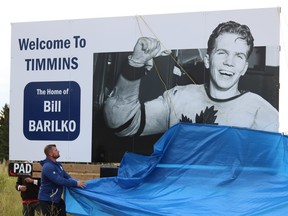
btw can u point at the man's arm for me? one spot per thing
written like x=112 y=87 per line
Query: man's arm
x=32 y=181
x=122 y=110
x=19 y=183
x=56 y=178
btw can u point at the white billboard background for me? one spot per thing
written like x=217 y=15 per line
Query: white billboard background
x=116 y=34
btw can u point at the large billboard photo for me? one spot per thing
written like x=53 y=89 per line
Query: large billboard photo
x=100 y=87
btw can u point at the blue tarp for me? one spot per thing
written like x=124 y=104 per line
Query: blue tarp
x=195 y=170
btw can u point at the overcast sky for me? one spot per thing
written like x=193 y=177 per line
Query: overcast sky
x=14 y=11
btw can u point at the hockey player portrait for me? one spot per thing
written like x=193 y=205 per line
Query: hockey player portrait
x=218 y=100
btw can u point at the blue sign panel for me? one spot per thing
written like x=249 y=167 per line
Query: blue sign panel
x=52 y=110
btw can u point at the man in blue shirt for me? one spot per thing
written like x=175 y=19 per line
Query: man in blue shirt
x=53 y=179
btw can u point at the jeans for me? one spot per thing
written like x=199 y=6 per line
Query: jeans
x=53 y=209
x=30 y=208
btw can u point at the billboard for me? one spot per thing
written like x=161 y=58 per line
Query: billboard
x=64 y=75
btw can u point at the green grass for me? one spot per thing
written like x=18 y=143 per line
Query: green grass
x=10 y=199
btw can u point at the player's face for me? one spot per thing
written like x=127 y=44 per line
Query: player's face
x=227 y=61
x=55 y=153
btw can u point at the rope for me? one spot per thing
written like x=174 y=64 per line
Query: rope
x=154 y=63
x=175 y=61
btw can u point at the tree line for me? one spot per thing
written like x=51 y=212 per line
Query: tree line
x=4 y=133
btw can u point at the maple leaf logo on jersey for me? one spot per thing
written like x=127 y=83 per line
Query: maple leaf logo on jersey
x=185 y=119
x=207 y=117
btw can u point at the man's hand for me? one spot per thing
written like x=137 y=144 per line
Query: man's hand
x=81 y=184
x=145 y=50
x=29 y=180
x=23 y=188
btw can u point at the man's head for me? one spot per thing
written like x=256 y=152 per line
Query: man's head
x=51 y=151
x=229 y=47
x=242 y=31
